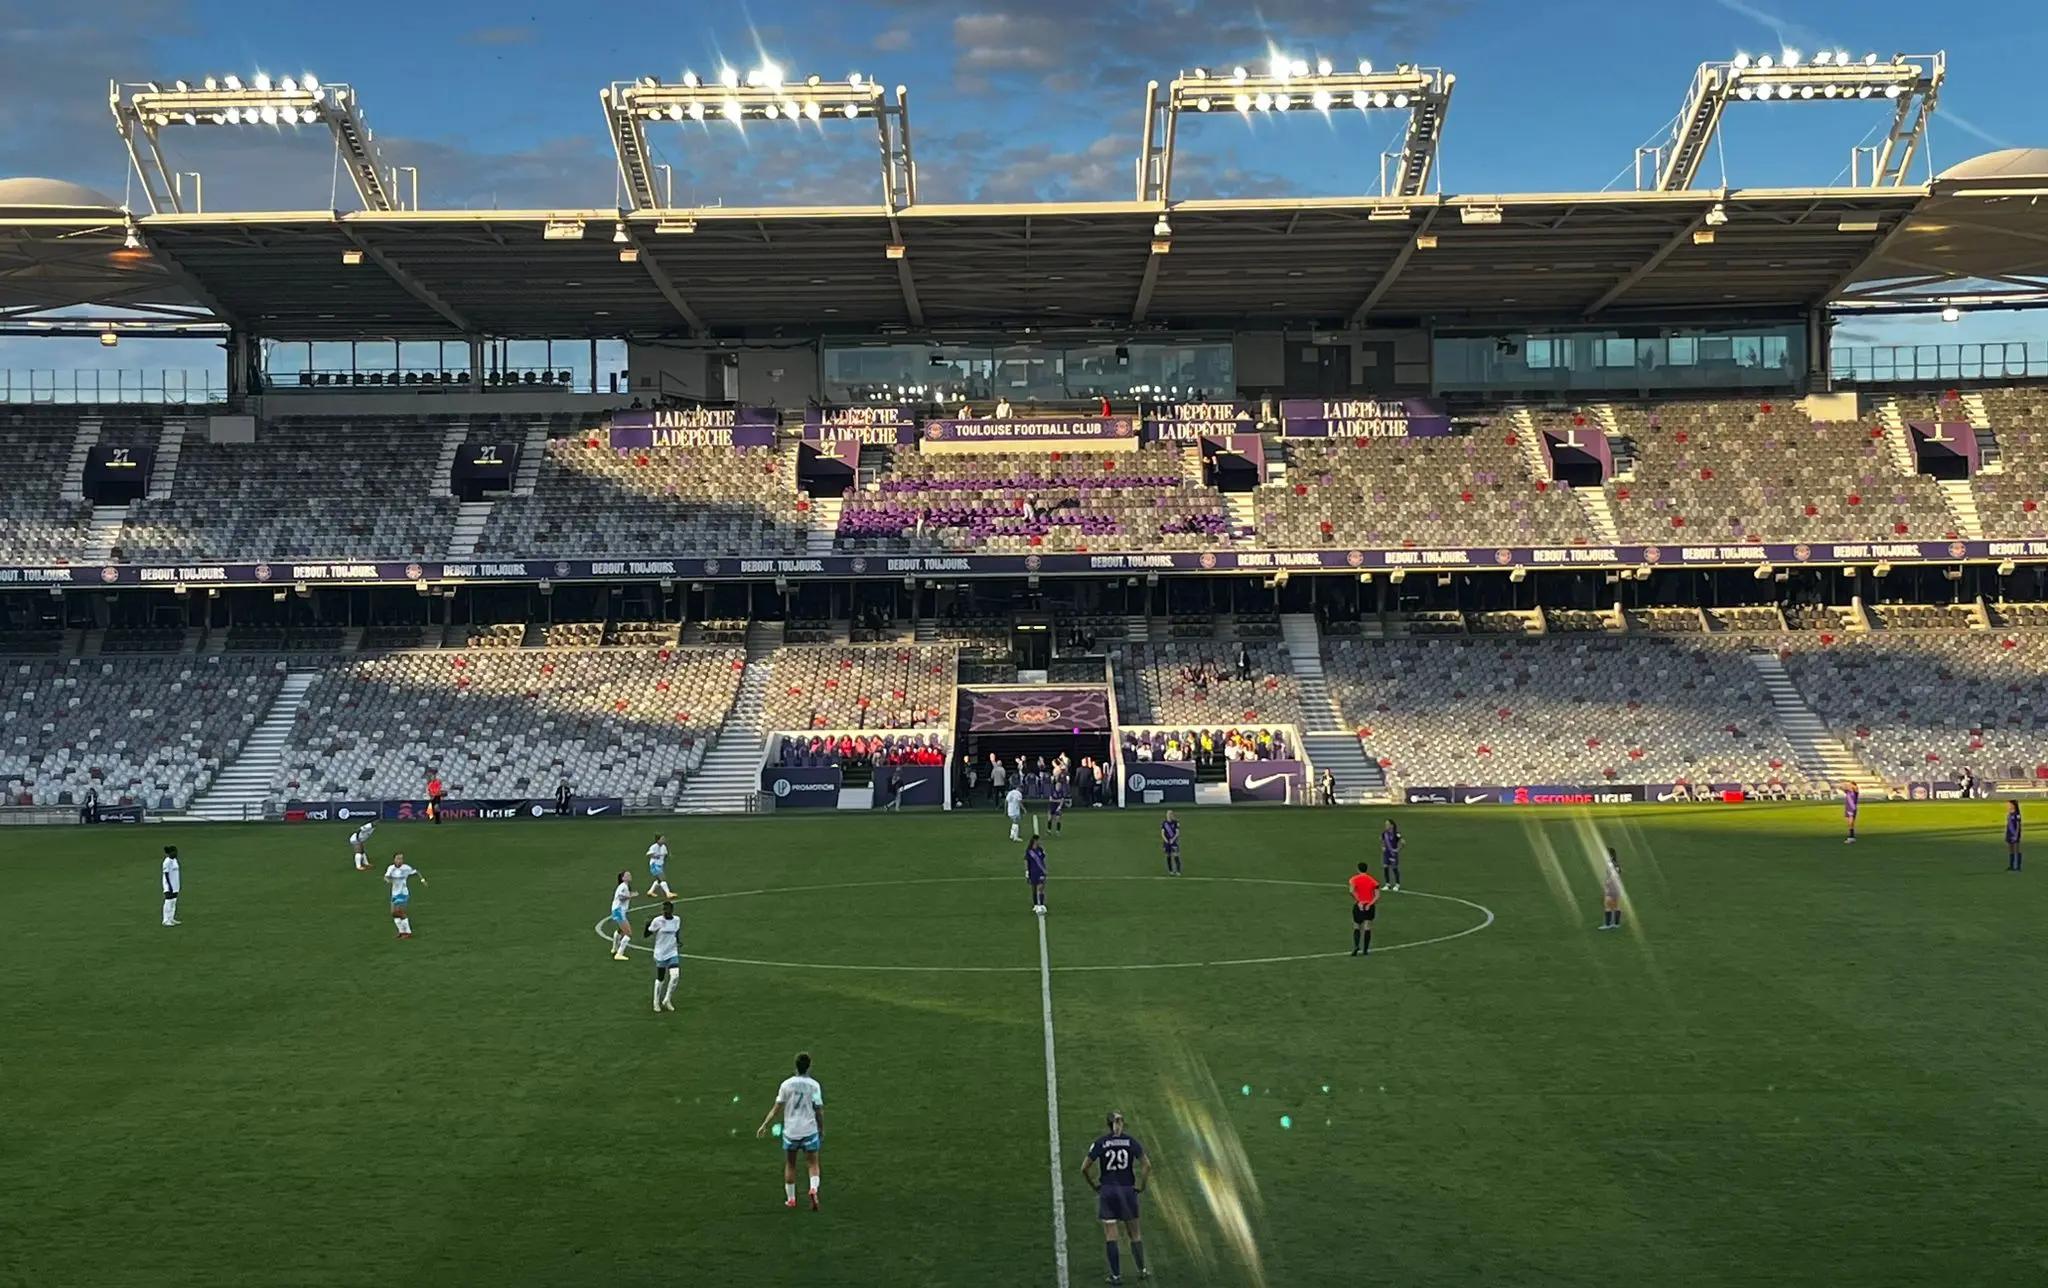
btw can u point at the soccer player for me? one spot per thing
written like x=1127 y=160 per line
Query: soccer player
x=1610 y=892
x=1034 y=872
x=1365 y=907
x=1852 y=799
x=622 y=930
x=2012 y=837
x=1057 y=809
x=1390 y=856
x=397 y=876
x=174 y=880
x=1169 y=841
x=668 y=955
x=1013 y=803
x=1125 y=1168
x=358 y=841
x=801 y=1102
x=657 y=868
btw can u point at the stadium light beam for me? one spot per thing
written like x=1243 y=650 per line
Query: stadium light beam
x=1424 y=93
x=1911 y=82
x=142 y=111
x=764 y=94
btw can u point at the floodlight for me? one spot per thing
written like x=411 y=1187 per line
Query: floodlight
x=212 y=84
x=263 y=82
x=753 y=78
x=813 y=111
x=771 y=75
x=850 y=111
x=233 y=116
x=1365 y=67
x=1870 y=60
x=1299 y=67
x=1201 y=73
x=1322 y=100
x=1379 y=98
x=269 y=115
x=1823 y=58
x=1323 y=67
x=1951 y=314
x=814 y=79
x=109 y=339
x=131 y=241
x=1201 y=104
x=695 y=111
x=730 y=109
x=1744 y=92
x=1716 y=216
x=853 y=78
x=1242 y=102
x=1280 y=67
x=1864 y=91
x=234 y=82
x=1360 y=99
x=310 y=83
x=1400 y=100
x=770 y=112
x=1741 y=61
x=1892 y=91
x=690 y=80
x=1161 y=228
x=1806 y=91
x=619 y=233
x=1281 y=102
x=1766 y=62
x=1791 y=58
x=728 y=78
x=675 y=111
x=1237 y=74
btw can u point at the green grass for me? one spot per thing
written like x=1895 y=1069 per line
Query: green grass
x=1801 y=1062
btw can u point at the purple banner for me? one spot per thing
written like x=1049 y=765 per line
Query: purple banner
x=1363 y=418
x=494 y=807
x=1036 y=710
x=885 y=425
x=802 y=788
x=1159 y=782
x=1068 y=429
x=646 y=565
x=1268 y=780
x=694 y=427
x=1185 y=422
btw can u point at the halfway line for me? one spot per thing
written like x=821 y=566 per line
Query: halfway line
x=1052 y=1115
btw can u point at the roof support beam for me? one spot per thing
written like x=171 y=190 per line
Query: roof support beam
x=1861 y=266
x=906 y=281
x=1649 y=266
x=1393 y=271
x=1145 y=285
x=407 y=282
x=666 y=285
x=184 y=277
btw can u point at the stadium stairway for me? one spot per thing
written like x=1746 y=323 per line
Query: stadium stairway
x=822 y=530
x=731 y=771
x=1962 y=504
x=527 y=476
x=1243 y=509
x=470 y=517
x=1138 y=629
x=1329 y=742
x=242 y=788
x=107 y=522
x=1898 y=444
x=1821 y=755
x=82 y=444
x=444 y=464
x=163 y=472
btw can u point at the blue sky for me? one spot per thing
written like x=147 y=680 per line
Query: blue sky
x=1011 y=99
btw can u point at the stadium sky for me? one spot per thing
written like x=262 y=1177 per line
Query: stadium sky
x=1011 y=99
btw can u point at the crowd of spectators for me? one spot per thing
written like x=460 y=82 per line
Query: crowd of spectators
x=1206 y=746
x=827 y=751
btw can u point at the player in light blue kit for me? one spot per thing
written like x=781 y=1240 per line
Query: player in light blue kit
x=622 y=930
x=801 y=1102
x=399 y=875
x=667 y=930
x=657 y=869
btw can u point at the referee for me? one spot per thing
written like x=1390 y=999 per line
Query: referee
x=1365 y=896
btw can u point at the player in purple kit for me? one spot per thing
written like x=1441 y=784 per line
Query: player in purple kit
x=1390 y=856
x=1169 y=840
x=1124 y=1169
x=1058 y=808
x=2012 y=837
x=1851 y=800
x=1034 y=872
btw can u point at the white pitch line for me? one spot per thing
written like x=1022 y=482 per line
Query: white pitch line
x=1052 y=1116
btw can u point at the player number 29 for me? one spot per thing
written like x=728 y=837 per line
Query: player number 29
x=1115 y=1160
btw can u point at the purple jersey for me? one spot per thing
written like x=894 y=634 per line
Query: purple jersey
x=1118 y=1155
x=1034 y=864
x=1850 y=801
x=1169 y=835
x=1390 y=845
x=2012 y=828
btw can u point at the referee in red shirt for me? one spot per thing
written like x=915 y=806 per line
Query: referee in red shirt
x=1365 y=896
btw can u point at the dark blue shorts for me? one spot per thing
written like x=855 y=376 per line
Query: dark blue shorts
x=1116 y=1203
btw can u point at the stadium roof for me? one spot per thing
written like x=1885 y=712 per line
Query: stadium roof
x=1540 y=259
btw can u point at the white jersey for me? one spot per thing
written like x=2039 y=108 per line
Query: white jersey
x=801 y=1097
x=657 y=855
x=1015 y=803
x=360 y=837
x=666 y=931
x=171 y=877
x=622 y=896
x=398 y=874
x=1611 y=884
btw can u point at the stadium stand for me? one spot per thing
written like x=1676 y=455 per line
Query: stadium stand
x=593 y=500
x=142 y=730
x=1929 y=705
x=861 y=687
x=1018 y=502
x=861 y=750
x=1588 y=709
x=1416 y=491
x=616 y=721
x=1747 y=472
x=40 y=526
x=309 y=487
x=1193 y=684
x=2012 y=492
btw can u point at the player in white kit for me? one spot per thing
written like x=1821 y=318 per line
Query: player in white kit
x=173 y=881
x=657 y=869
x=667 y=930
x=622 y=930
x=801 y=1102
x=397 y=876
x=358 y=843
x=1014 y=804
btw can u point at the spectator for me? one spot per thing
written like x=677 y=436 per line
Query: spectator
x=998 y=779
x=1326 y=784
x=1244 y=661
x=1003 y=409
x=562 y=799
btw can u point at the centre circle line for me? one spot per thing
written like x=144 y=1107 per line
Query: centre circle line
x=603 y=931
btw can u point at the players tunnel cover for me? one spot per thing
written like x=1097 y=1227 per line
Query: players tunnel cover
x=1024 y=710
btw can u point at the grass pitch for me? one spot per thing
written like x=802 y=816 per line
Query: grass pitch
x=1799 y=1062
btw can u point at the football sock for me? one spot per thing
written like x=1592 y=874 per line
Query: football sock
x=1116 y=1263
x=1357 y=940
x=789 y=1190
x=1138 y=1252
x=1365 y=943
x=814 y=1184
x=406 y=925
x=657 y=992
x=674 y=978
x=170 y=911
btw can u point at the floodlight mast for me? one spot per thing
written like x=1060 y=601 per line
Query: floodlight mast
x=1424 y=93
x=760 y=97
x=142 y=110
x=1911 y=82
